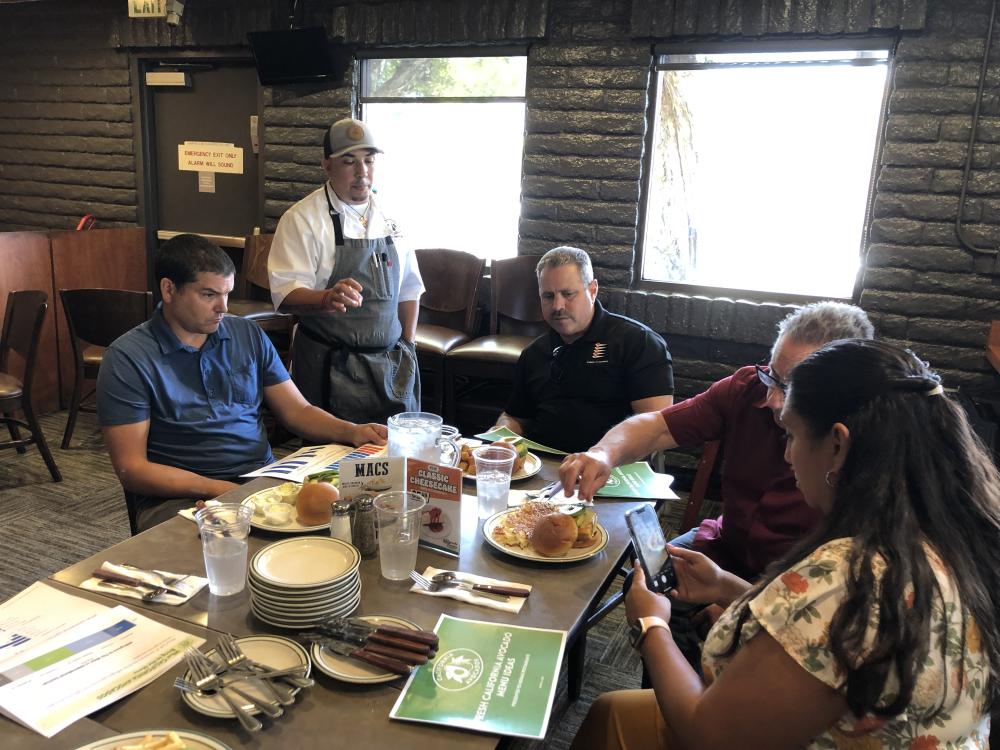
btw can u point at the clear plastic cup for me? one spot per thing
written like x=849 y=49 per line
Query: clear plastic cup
x=224 y=530
x=493 y=467
x=398 y=532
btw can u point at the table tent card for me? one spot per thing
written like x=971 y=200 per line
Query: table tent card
x=371 y=475
x=440 y=526
x=489 y=677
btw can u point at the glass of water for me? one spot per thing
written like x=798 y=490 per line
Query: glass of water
x=415 y=434
x=398 y=532
x=493 y=467
x=224 y=530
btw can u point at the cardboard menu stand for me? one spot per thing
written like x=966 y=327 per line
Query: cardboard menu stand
x=440 y=527
x=370 y=475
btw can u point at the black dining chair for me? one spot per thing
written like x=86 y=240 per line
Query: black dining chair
x=22 y=328
x=95 y=318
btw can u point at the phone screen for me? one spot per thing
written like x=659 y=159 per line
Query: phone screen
x=651 y=546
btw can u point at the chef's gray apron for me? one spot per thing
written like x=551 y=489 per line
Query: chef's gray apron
x=356 y=365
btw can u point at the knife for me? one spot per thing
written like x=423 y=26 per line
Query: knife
x=367 y=635
x=354 y=623
x=130 y=581
x=360 y=641
x=377 y=660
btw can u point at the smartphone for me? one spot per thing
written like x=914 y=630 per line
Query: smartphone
x=651 y=547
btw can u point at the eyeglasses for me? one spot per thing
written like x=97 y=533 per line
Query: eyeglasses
x=557 y=371
x=764 y=376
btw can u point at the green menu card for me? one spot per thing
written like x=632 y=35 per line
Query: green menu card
x=487 y=676
x=639 y=481
x=503 y=432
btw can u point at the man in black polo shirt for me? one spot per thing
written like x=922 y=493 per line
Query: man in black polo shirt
x=592 y=370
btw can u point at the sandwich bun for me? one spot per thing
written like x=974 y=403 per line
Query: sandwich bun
x=554 y=535
x=520 y=452
x=314 y=504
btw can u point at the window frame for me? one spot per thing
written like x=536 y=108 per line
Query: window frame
x=802 y=45
x=380 y=53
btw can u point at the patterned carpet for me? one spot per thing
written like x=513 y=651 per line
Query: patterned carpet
x=46 y=526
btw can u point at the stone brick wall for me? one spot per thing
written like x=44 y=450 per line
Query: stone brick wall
x=66 y=119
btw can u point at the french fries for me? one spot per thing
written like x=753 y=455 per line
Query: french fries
x=171 y=741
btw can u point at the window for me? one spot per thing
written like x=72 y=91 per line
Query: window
x=453 y=129
x=760 y=169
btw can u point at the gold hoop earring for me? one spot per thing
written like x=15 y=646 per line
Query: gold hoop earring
x=830 y=478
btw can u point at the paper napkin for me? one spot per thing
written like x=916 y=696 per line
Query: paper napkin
x=188 y=513
x=189 y=584
x=513 y=604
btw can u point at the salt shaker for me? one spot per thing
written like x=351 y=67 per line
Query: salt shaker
x=340 y=524
x=363 y=526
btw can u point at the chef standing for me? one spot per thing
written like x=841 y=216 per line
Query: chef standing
x=337 y=263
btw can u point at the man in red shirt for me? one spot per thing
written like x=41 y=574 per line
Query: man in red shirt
x=763 y=512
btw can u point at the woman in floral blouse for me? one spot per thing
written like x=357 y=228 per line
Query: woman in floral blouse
x=880 y=630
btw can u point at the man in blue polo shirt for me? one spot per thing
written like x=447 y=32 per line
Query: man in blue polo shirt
x=180 y=397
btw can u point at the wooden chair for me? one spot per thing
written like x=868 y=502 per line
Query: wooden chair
x=515 y=321
x=447 y=314
x=252 y=295
x=95 y=318
x=22 y=327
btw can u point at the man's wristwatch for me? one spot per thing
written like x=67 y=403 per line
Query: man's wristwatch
x=638 y=630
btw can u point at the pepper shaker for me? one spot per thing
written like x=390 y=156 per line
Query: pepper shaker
x=340 y=524
x=363 y=529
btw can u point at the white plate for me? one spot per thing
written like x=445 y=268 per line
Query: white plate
x=272 y=650
x=258 y=521
x=532 y=465
x=284 y=622
x=575 y=554
x=275 y=607
x=193 y=740
x=311 y=602
x=347 y=669
x=271 y=588
x=305 y=562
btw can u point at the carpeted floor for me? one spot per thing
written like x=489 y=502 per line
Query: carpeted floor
x=46 y=526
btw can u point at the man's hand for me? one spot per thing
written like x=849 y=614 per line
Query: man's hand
x=369 y=433
x=591 y=469
x=345 y=293
x=641 y=602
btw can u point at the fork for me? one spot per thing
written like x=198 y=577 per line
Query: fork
x=428 y=585
x=232 y=650
x=190 y=687
x=206 y=679
x=229 y=650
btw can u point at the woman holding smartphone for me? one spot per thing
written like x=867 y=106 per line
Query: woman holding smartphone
x=879 y=630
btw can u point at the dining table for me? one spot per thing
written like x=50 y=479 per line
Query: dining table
x=564 y=596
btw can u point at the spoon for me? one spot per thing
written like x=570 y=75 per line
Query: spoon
x=448 y=578
x=146 y=596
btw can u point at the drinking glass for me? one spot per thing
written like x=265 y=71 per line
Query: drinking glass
x=224 y=530
x=398 y=532
x=493 y=467
x=415 y=434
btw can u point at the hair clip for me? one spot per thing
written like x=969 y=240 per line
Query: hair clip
x=936 y=390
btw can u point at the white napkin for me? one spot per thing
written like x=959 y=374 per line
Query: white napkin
x=188 y=513
x=190 y=585
x=513 y=604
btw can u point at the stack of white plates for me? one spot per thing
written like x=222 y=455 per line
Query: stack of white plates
x=299 y=582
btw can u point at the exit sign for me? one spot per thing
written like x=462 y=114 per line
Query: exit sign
x=147 y=8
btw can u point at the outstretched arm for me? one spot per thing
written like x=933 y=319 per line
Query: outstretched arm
x=312 y=423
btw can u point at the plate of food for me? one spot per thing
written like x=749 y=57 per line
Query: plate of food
x=546 y=532
x=526 y=464
x=158 y=739
x=286 y=510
